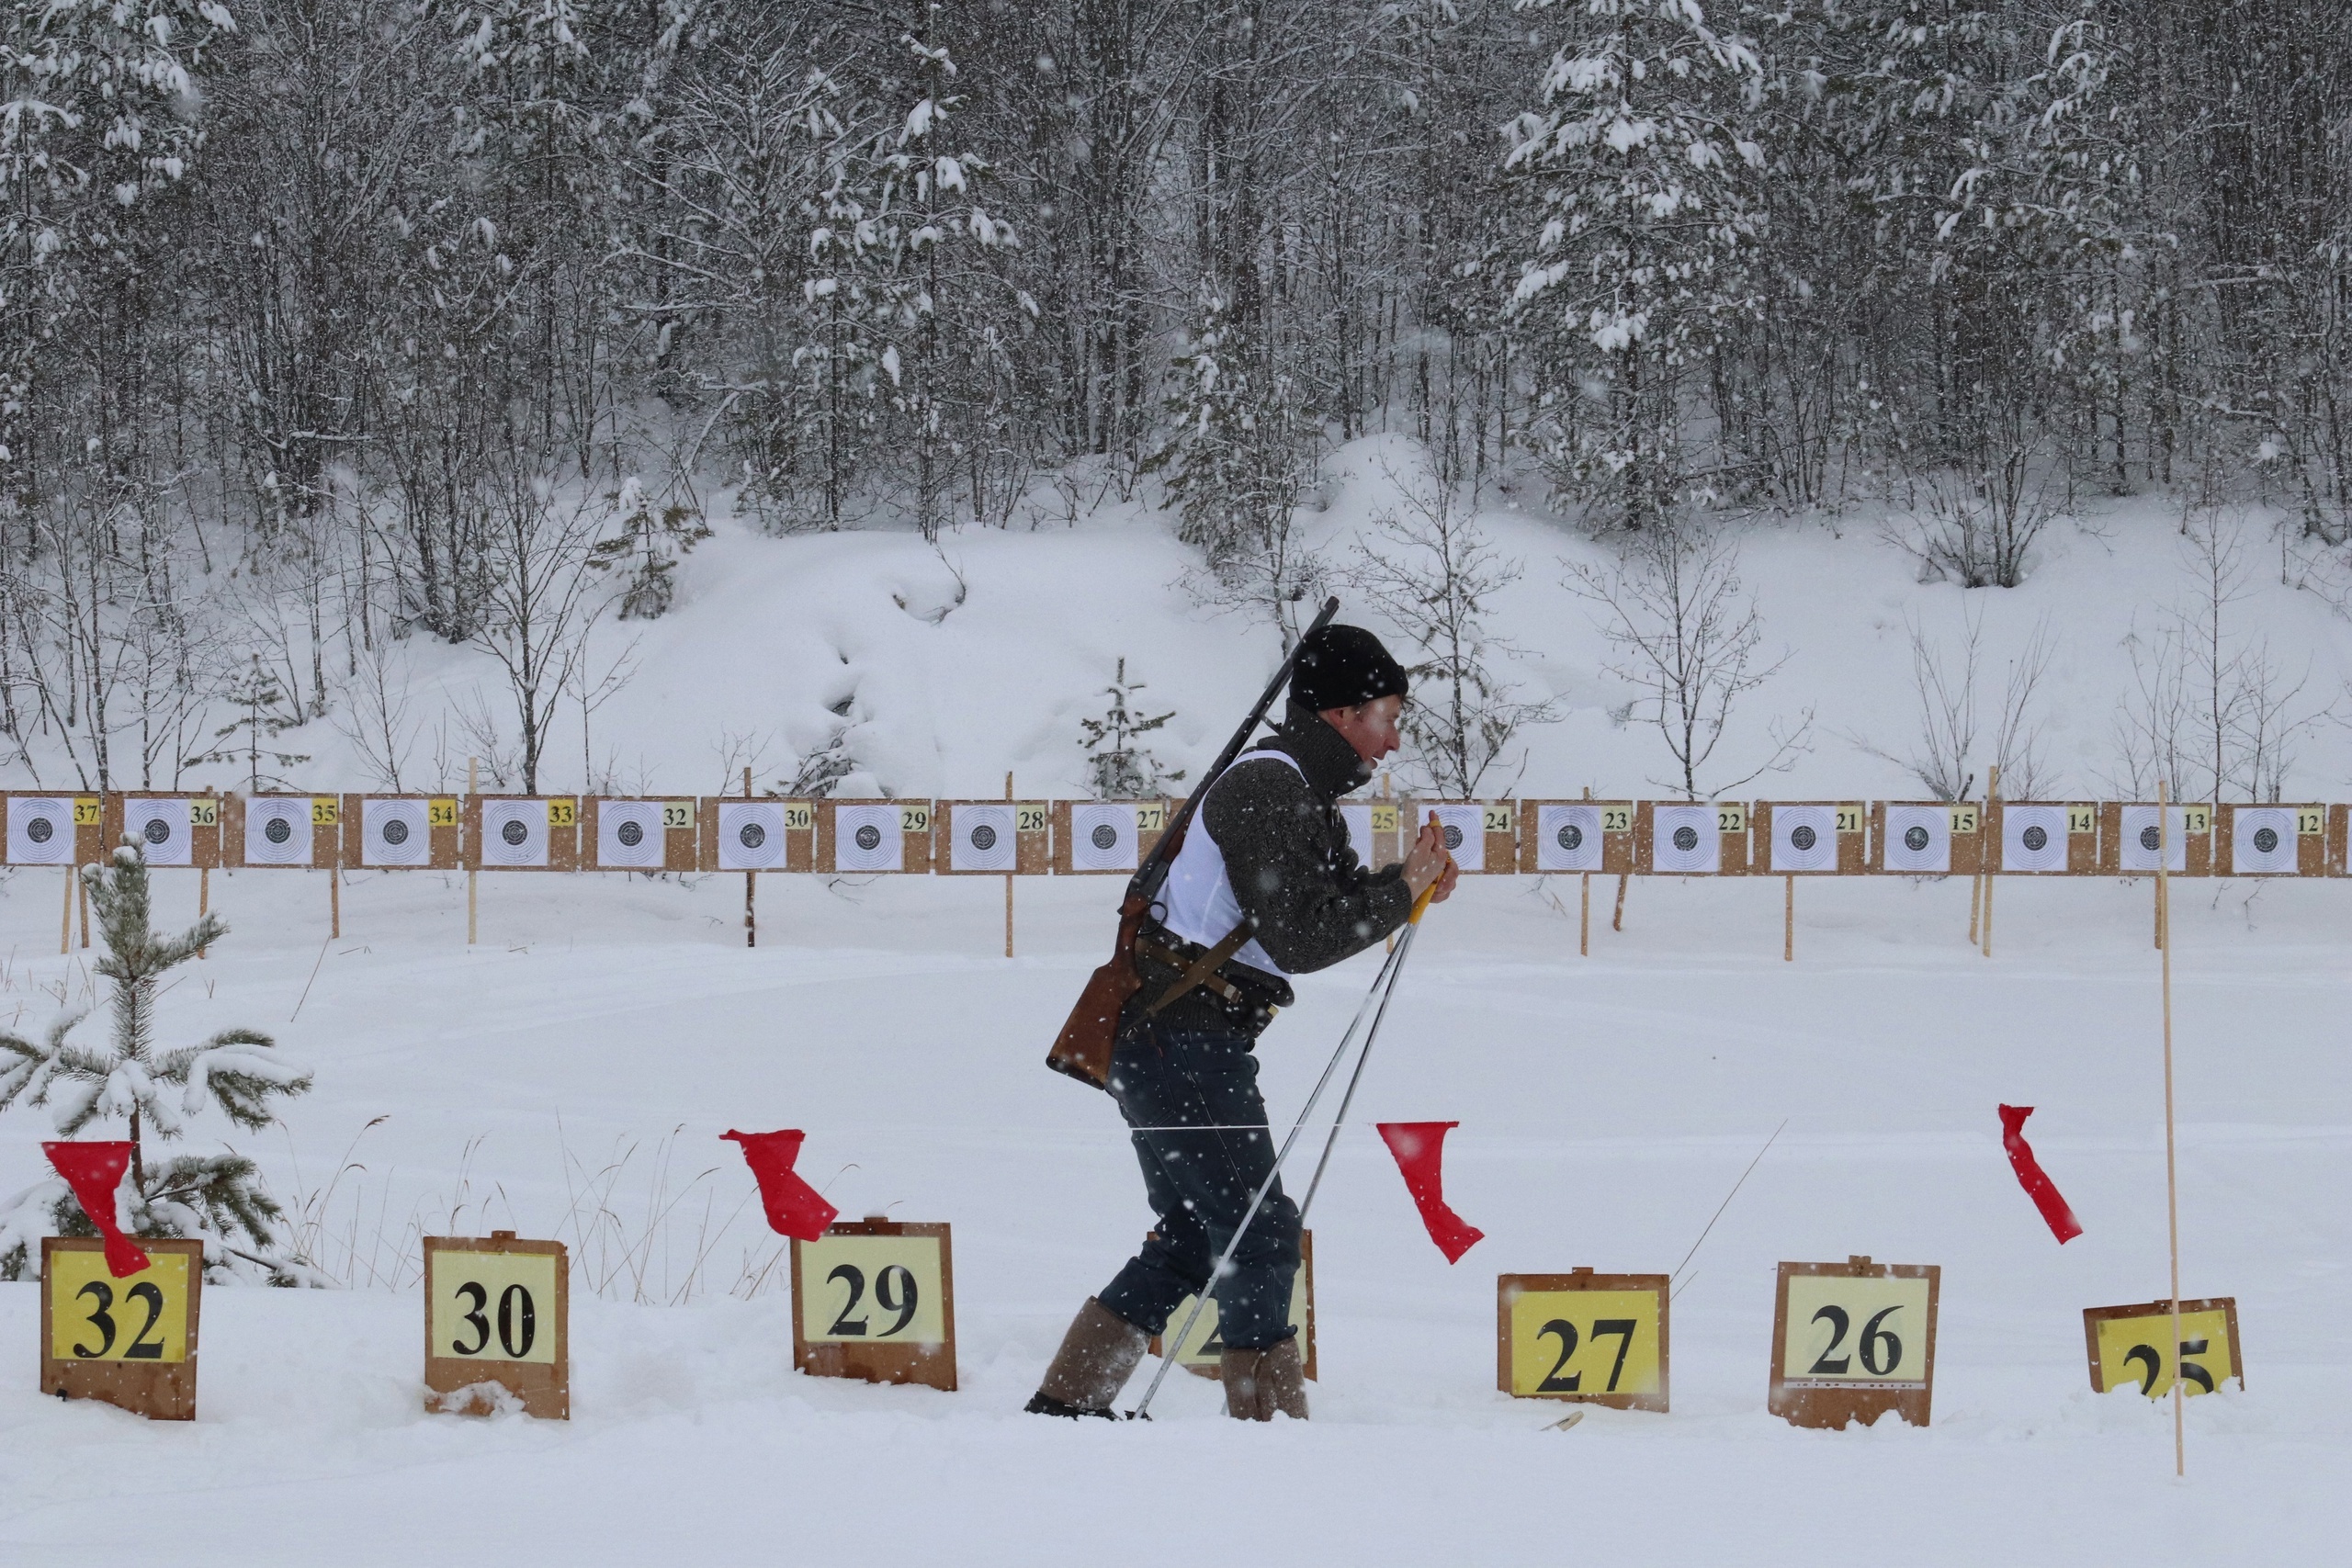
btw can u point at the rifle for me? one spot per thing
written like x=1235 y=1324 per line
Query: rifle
x=1083 y=1047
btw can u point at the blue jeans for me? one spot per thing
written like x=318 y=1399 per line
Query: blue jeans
x=1168 y=1082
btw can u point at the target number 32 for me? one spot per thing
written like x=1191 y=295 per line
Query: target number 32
x=96 y=1318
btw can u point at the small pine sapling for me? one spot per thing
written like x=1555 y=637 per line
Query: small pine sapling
x=218 y=1197
x=1117 y=768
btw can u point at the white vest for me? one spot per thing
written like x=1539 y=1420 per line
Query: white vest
x=1197 y=901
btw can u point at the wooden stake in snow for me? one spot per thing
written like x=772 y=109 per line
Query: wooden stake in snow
x=472 y=876
x=1584 y=918
x=1617 y=920
x=65 y=926
x=204 y=879
x=1008 y=878
x=81 y=896
x=1991 y=793
x=334 y=884
x=2172 y=1169
x=1789 y=922
x=751 y=887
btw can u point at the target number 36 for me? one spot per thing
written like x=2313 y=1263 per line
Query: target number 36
x=494 y=1306
x=868 y=1289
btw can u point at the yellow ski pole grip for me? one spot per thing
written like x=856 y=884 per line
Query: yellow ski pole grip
x=1421 y=904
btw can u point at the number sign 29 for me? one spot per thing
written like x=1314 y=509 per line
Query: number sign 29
x=2126 y=1345
x=497 y=1310
x=1597 y=1339
x=1854 y=1340
x=129 y=1341
x=873 y=1299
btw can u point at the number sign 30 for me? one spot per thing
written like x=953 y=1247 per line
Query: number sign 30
x=130 y=1341
x=496 y=1310
x=1598 y=1339
x=1854 y=1340
x=875 y=1300
x=2126 y=1346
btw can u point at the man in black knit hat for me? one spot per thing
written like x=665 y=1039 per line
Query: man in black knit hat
x=1265 y=886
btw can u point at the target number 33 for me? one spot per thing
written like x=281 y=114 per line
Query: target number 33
x=870 y=1289
x=96 y=1318
x=494 y=1306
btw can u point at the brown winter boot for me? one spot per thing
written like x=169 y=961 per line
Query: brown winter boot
x=1097 y=1356
x=1259 y=1382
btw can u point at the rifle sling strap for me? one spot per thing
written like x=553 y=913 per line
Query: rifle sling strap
x=1201 y=971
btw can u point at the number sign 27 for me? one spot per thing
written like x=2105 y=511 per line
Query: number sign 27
x=875 y=1300
x=1598 y=1338
x=496 y=1310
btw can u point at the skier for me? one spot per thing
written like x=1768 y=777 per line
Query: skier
x=1266 y=886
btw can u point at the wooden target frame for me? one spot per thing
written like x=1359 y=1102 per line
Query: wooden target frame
x=88 y=813
x=2226 y=1306
x=543 y=1387
x=932 y=1364
x=1385 y=823
x=1801 y=1406
x=563 y=837
x=2082 y=838
x=159 y=1390
x=1310 y=1366
x=2196 y=843
x=1849 y=821
x=1964 y=821
x=1032 y=853
x=1510 y=1288
x=681 y=841
x=204 y=835
x=915 y=818
x=1152 y=817
x=442 y=841
x=800 y=820
x=1732 y=820
x=1616 y=842
x=325 y=814
x=2317 y=851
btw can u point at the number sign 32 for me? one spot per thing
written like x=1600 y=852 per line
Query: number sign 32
x=129 y=1340
x=875 y=1300
x=496 y=1310
x=1599 y=1339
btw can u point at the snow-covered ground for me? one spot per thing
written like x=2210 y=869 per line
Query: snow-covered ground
x=1607 y=1106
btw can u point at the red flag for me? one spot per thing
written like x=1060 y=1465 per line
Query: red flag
x=795 y=1208
x=95 y=1171
x=2038 y=1187
x=1420 y=1148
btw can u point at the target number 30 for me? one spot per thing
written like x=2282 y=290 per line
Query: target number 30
x=494 y=1306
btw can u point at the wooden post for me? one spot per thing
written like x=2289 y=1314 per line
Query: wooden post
x=1584 y=918
x=81 y=899
x=204 y=879
x=65 y=926
x=1975 y=896
x=1617 y=921
x=335 y=883
x=751 y=887
x=1008 y=877
x=1789 y=922
x=474 y=909
x=2172 y=1168
x=1991 y=793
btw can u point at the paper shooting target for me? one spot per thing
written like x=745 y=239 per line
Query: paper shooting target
x=1919 y=840
x=629 y=835
x=1567 y=838
x=515 y=833
x=980 y=838
x=394 y=833
x=868 y=837
x=2034 y=838
x=1465 y=832
x=2143 y=838
x=41 y=830
x=1102 y=836
x=1805 y=838
x=2262 y=840
x=163 y=830
x=751 y=835
x=277 y=832
x=1684 y=839
x=1358 y=820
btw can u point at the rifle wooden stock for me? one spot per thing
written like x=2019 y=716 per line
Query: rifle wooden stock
x=1083 y=1047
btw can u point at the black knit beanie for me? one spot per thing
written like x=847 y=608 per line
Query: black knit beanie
x=1340 y=667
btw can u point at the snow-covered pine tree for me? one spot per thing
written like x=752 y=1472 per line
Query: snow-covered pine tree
x=1117 y=768
x=216 y=1197
x=1641 y=171
x=646 y=548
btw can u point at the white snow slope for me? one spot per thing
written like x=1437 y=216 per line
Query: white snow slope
x=569 y=1077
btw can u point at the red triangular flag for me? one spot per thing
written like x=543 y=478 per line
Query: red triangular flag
x=795 y=1208
x=94 y=1172
x=2038 y=1187
x=1420 y=1148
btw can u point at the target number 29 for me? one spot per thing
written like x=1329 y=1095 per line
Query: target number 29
x=872 y=1289
x=494 y=1306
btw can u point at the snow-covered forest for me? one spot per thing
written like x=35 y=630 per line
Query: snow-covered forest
x=336 y=331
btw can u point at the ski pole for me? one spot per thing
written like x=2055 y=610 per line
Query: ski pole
x=1404 y=945
x=1382 y=985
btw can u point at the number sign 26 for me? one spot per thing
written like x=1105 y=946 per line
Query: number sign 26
x=1852 y=1340
x=130 y=1341
x=497 y=1311
x=875 y=1300
x=1598 y=1338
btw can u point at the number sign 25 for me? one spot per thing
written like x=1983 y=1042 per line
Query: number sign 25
x=1598 y=1338
x=1852 y=1340
x=875 y=1300
x=497 y=1311
x=129 y=1341
x=2126 y=1345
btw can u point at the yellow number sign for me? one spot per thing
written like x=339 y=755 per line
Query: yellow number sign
x=93 y=1316
x=1203 y=1348
x=1496 y=816
x=1616 y=818
x=563 y=811
x=799 y=816
x=1031 y=817
x=204 y=812
x=2310 y=819
x=1600 y=1338
x=1963 y=818
x=2127 y=1346
x=1731 y=818
x=1151 y=816
x=494 y=1306
x=678 y=816
x=1386 y=819
x=2197 y=819
x=85 y=810
x=441 y=812
x=2082 y=819
x=1849 y=818
x=1868 y=1333
x=915 y=818
x=325 y=811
